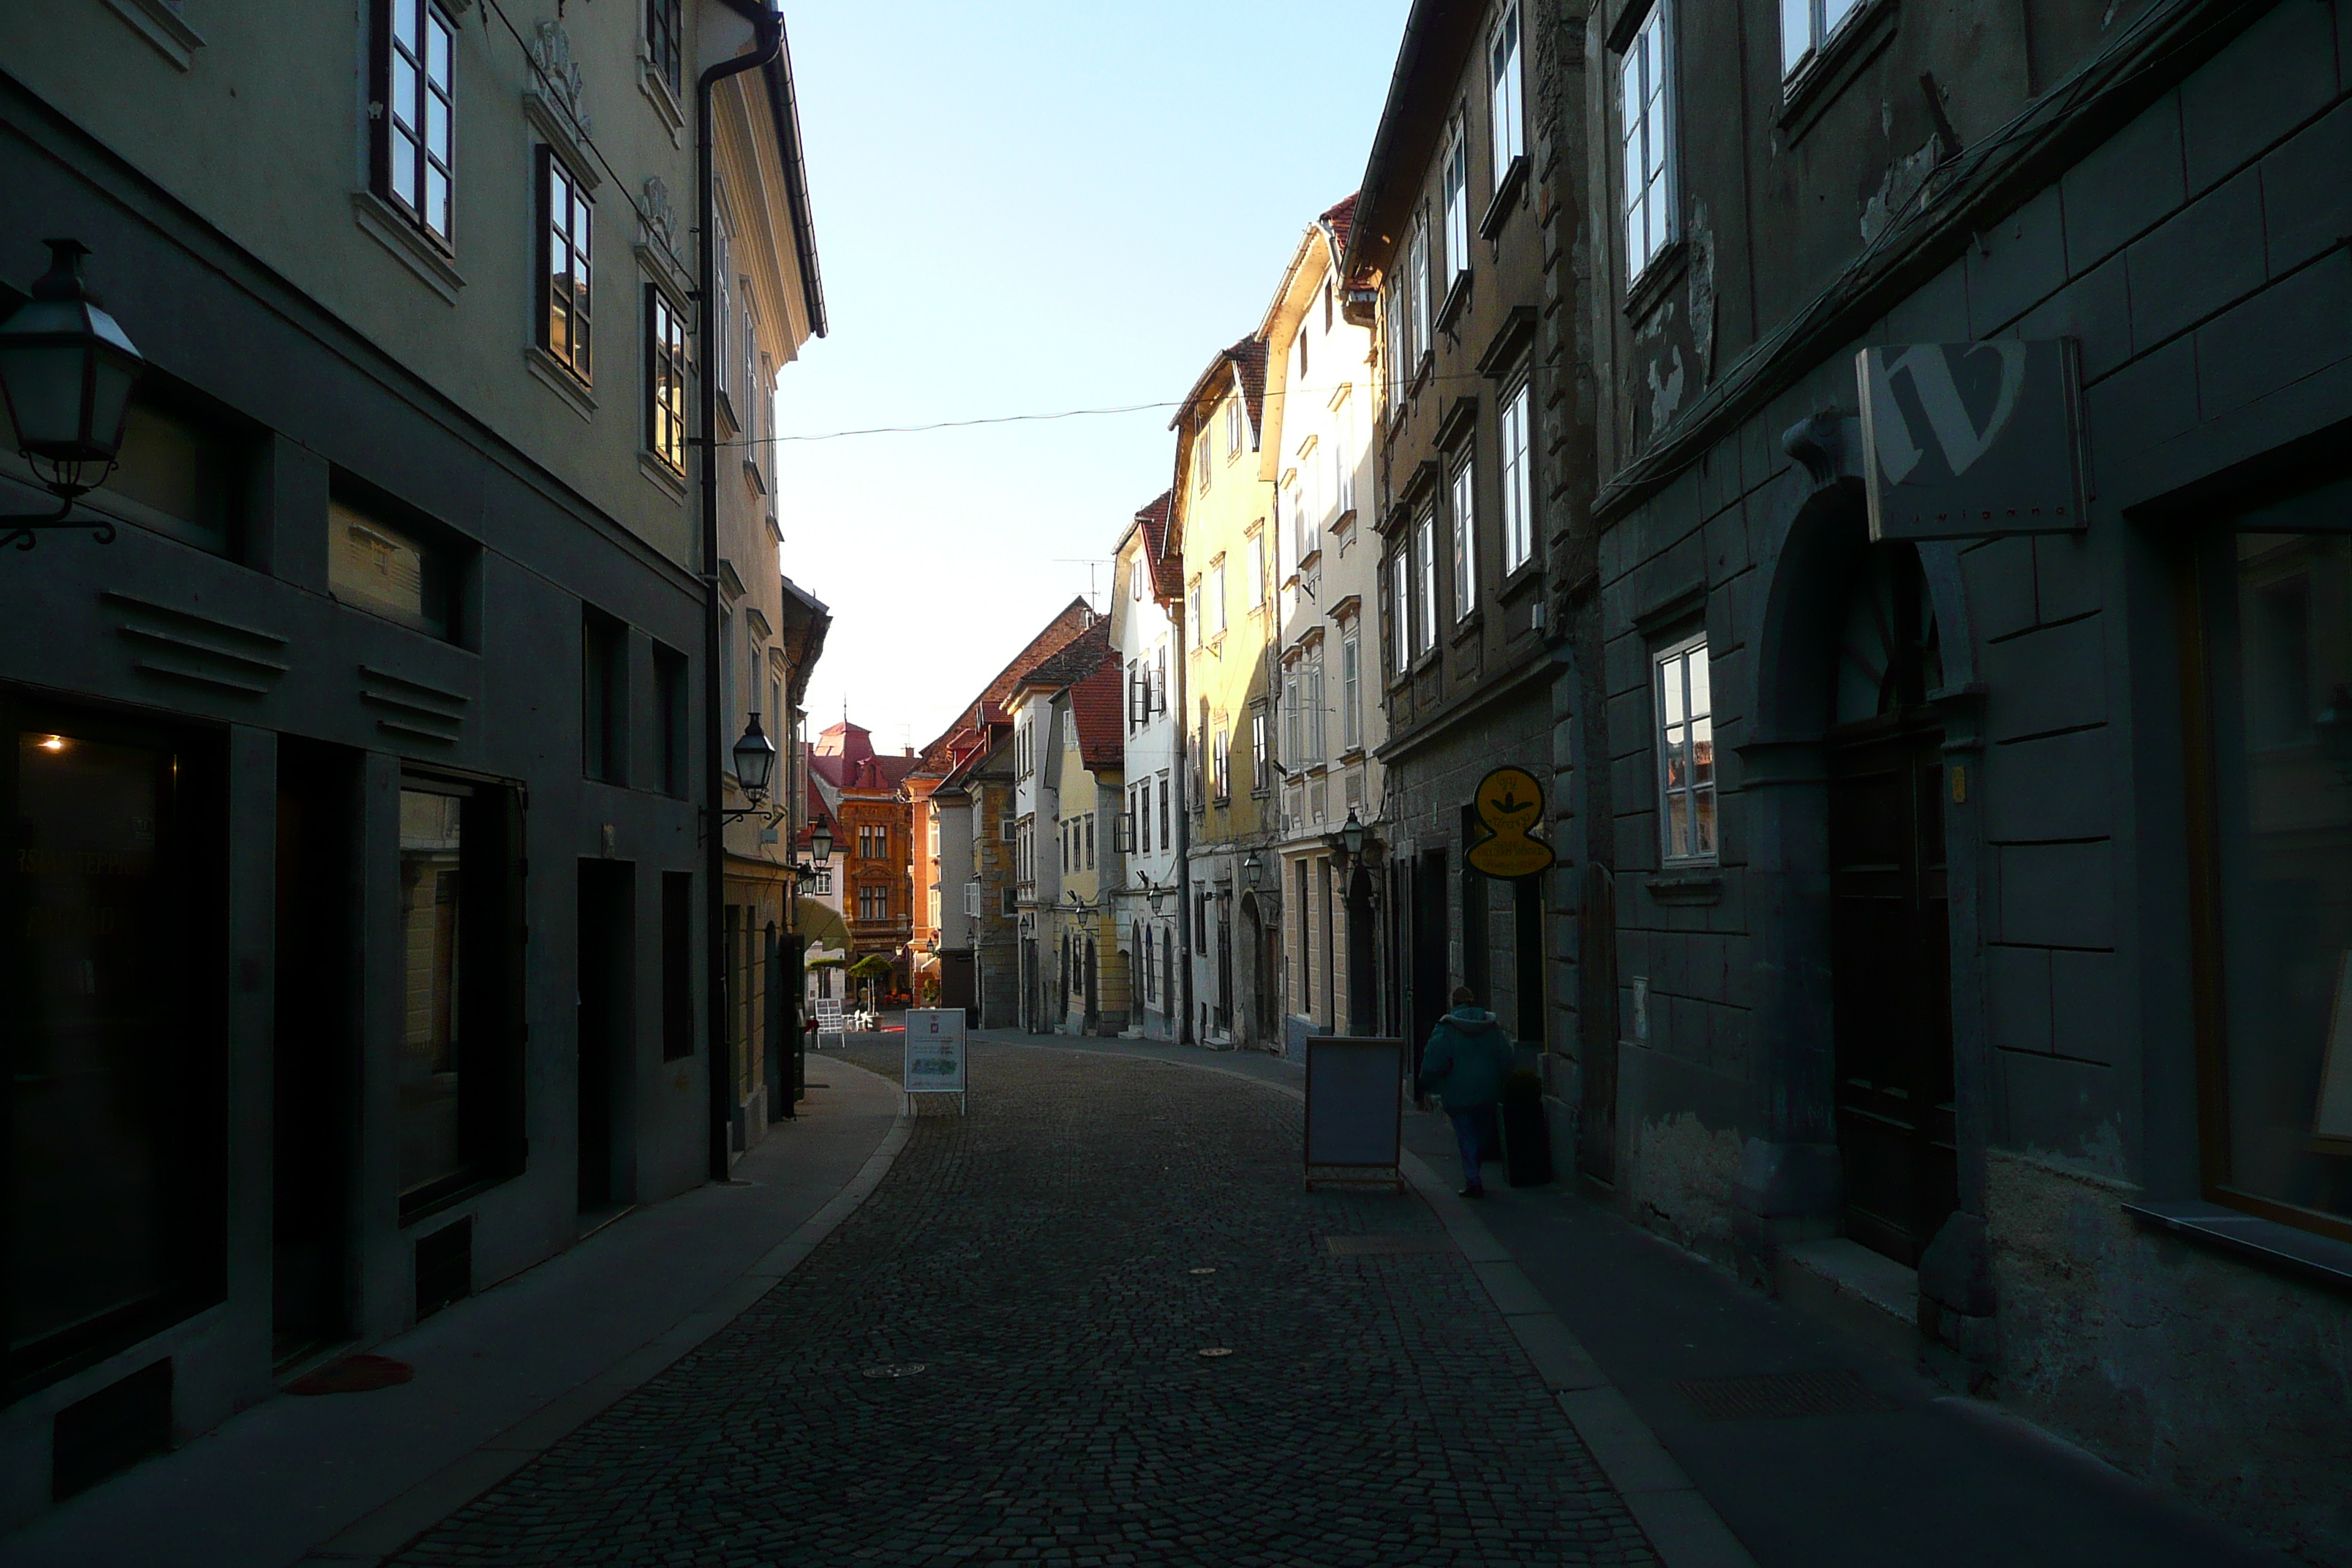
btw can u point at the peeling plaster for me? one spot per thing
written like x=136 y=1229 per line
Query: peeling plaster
x=1904 y=178
x=1667 y=395
x=2142 y=1346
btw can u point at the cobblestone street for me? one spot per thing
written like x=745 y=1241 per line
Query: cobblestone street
x=999 y=1358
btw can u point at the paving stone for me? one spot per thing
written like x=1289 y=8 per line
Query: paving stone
x=1035 y=1257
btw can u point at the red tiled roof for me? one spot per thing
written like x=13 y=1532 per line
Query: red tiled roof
x=1097 y=709
x=1248 y=358
x=1166 y=566
x=1340 y=221
x=1084 y=653
x=1059 y=633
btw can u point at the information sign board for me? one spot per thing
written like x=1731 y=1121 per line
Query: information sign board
x=1355 y=1110
x=935 y=1052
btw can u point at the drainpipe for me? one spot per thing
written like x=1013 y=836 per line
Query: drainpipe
x=770 y=43
x=1184 y=819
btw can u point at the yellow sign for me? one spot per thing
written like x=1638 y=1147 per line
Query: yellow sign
x=1510 y=803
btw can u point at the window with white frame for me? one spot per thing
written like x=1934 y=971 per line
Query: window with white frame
x=1418 y=278
x=566 y=230
x=1806 y=26
x=1504 y=93
x=1351 y=682
x=1193 y=593
x=1517 y=482
x=1686 y=754
x=1294 y=716
x=1316 y=731
x=1221 y=766
x=1201 y=459
x=1261 y=753
x=1461 y=503
x=1401 y=643
x=1645 y=110
x=1425 y=550
x=1233 y=428
x=1257 y=568
x=1455 y=260
x=1217 y=598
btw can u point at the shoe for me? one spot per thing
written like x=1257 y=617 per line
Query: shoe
x=1471 y=1192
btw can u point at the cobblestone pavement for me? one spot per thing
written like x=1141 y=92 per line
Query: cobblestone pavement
x=1055 y=1265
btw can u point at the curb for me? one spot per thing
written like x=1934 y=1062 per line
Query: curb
x=392 y=1526
x=1683 y=1527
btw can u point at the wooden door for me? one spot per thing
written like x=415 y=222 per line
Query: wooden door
x=1891 y=965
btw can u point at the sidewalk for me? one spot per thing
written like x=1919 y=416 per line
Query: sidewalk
x=349 y=1478
x=1937 y=1481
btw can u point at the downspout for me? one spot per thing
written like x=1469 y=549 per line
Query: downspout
x=1184 y=820
x=769 y=42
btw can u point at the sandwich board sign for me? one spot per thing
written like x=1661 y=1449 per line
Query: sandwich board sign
x=935 y=1053
x=1971 y=440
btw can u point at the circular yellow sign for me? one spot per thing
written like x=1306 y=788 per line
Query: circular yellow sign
x=1510 y=805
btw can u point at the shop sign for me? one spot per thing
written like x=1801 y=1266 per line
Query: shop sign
x=1971 y=440
x=1509 y=805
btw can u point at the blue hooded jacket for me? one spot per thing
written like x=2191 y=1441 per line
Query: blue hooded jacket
x=1468 y=1059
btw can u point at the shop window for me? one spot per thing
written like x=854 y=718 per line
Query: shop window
x=110 y=959
x=460 y=1065
x=2277 y=609
x=186 y=470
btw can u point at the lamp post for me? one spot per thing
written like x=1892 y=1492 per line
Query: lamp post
x=67 y=369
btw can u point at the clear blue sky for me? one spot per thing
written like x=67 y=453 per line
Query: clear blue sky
x=1022 y=209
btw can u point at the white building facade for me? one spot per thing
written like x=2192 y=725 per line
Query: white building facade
x=1149 y=906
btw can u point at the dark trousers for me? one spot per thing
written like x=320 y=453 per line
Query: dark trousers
x=1474 y=1136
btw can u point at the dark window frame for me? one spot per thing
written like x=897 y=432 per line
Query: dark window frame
x=604 y=697
x=566 y=311
x=665 y=41
x=401 y=134
x=668 y=367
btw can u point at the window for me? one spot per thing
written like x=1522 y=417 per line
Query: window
x=874 y=901
x=1257 y=570
x=1686 y=754
x=1232 y=427
x=564 y=245
x=1217 y=596
x=670 y=694
x=1419 y=281
x=1164 y=839
x=1090 y=841
x=1649 y=213
x=1160 y=680
x=1518 y=483
x=665 y=363
x=1351 y=723
x=874 y=843
x=664 y=41
x=1011 y=903
x=1462 y=503
x=413 y=115
x=1302 y=350
x=2278 y=1080
x=1200 y=457
x=1455 y=260
x=184 y=468
x=458 y=1069
x=604 y=697
x=1401 y=643
x=1316 y=728
x=1806 y=26
x=1327 y=305
x=1503 y=91
x=1424 y=549
x=1192 y=592
x=1261 y=755
x=1294 y=715
x=1011 y=829
x=1220 y=763
x=389 y=571
x=824 y=878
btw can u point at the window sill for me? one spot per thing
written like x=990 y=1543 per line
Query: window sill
x=657 y=93
x=753 y=479
x=671 y=483
x=557 y=377
x=383 y=224
x=1467 y=625
x=1420 y=372
x=1521 y=578
x=1664 y=270
x=1823 y=79
x=1457 y=301
x=159 y=23
x=1685 y=885
x=2264 y=1241
x=1508 y=190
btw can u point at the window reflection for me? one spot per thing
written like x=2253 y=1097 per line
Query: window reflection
x=431 y=890
x=2286 y=848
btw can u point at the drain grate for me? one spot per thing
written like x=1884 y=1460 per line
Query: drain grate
x=1386 y=1245
x=902 y=1369
x=1782 y=1395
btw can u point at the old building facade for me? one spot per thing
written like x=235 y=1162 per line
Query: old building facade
x=1977 y=876
x=862 y=789
x=360 y=769
x=1147 y=582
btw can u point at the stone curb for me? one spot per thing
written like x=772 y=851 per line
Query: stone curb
x=1683 y=1527
x=391 y=1528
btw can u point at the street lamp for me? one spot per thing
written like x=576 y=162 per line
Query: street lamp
x=821 y=843
x=755 y=761
x=1251 y=867
x=1351 y=835
x=67 y=369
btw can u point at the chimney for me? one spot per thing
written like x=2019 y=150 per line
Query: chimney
x=910 y=751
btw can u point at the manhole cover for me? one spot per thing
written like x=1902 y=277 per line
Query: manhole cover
x=1215 y=1350
x=901 y=1369
x=1780 y=1396
x=1211 y=1270
x=1386 y=1245
x=353 y=1374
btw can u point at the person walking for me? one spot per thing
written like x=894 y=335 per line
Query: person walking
x=1464 y=1064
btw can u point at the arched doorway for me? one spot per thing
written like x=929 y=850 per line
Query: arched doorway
x=1890 y=936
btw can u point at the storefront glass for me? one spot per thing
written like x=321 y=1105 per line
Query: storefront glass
x=433 y=1015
